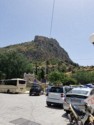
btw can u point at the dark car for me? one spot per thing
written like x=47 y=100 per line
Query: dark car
x=35 y=89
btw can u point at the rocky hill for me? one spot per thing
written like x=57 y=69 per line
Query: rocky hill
x=41 y=49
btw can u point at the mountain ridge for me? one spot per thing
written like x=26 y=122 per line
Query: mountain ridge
x=40 y=49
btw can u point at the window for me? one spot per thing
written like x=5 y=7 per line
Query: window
x=11 y=82
x=56 y=90
x=21 y=82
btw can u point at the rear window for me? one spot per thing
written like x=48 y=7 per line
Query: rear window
x=83 y=92
x=56 y=90
x=35 y=86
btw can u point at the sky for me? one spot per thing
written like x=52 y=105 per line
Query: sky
x=72 y=24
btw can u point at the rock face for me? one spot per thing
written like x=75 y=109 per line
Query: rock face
x=49 y=48
x=41 y=49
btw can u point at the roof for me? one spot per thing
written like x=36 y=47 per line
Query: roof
x=16 y=79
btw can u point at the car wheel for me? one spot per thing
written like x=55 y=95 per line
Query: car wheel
x=30 y=94
x=38 y=94
x=48 y=104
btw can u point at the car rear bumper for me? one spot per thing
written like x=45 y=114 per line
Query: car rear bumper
x=34 y=93
x=55 y=101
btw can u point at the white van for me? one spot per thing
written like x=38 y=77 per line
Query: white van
x=16 y=85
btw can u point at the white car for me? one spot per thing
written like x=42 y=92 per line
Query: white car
x=56 y=95
x=76 y=97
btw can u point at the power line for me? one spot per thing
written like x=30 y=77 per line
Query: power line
x=52 y=17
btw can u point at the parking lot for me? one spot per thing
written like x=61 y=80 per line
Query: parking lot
x=22 y=109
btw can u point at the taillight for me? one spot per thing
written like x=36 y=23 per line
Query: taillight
x=65 y=99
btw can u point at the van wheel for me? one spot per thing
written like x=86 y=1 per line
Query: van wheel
x=8 y=91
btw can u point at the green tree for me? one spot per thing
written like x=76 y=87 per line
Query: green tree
x=2 y=75
x=55 y=77
x=47 y=67
x=84 y=77
x=41 y=74
x=13 y=64
x=29 y=67
x=69 y=81
x=36 y=68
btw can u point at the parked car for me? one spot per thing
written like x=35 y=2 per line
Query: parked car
x=35 y=89
x=56 y=95
x=90 y=85
x=76 y=97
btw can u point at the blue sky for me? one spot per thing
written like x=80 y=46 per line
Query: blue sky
x=73 y=23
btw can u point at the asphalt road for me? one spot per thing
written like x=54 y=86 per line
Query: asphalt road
x=22 y=109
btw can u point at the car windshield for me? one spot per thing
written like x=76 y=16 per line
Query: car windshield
x=84 y=92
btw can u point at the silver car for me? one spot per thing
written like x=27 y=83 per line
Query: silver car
x=56 y=95
x=76 y=97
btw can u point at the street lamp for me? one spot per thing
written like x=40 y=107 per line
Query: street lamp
x=92 y=38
